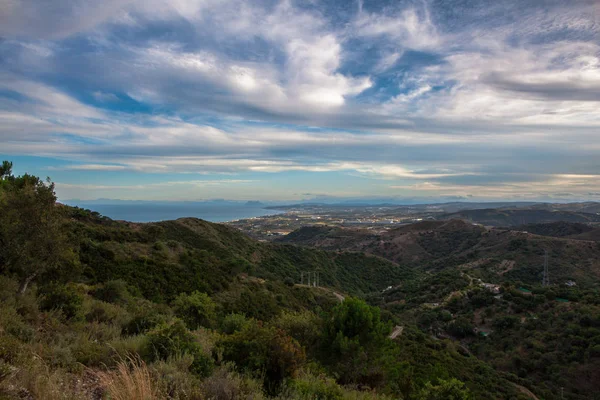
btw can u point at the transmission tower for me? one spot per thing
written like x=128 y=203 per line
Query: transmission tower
x=546 y=277
x=314 y=282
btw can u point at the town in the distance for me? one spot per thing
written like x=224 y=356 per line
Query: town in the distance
x=379 y=218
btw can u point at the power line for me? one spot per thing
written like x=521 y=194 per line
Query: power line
x=546 y=277
x=313 y=278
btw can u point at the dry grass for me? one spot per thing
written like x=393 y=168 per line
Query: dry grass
x=130 y=380
x=226 y=384
x=36 y=380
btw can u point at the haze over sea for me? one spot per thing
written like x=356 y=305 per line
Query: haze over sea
x=161 y=211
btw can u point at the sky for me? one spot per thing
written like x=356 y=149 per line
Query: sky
x=289 y=100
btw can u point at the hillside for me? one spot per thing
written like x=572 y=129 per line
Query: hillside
x=545 y=336
x=93 y=308
x=514 y=217
x=571 y=230
x=188 y=309
x=496 y=254
x=200 y=255
x=584 y=207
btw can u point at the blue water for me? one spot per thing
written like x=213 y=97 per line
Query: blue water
x=151 y=212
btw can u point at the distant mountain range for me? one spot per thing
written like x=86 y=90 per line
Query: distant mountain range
x=450 y=207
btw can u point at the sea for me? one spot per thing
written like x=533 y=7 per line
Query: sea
x=153 y=212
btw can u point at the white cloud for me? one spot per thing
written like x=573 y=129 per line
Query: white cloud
x=406 y=27
x=243 y=81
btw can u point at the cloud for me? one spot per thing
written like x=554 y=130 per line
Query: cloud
x=436 y=98
x=55 y=19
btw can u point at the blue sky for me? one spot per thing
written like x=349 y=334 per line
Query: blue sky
x=286 y=100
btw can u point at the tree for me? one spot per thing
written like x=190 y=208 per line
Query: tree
x=357 y=321
x=5 y=169
x=451 y=389
x=31 y=237
x=257 y=349
x=353 y=342
x=195 y=309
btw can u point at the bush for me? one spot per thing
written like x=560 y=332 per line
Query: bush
x=305 y=327
x=12 y=323
x=267 y=350
x=461 y=327
x=311 y=387
x=451 y=389
x=10 y=348
x=174 y=377
x=196 y=309
x=147 y=316
x=124 y=346
x=505 y=322
x=113 y=292
x=226 y=384
x=356 y=320
x=171 y=340
x=288 y=281
x=90 y=352
x=100 y=311
x=233 y=323
x=63 y=298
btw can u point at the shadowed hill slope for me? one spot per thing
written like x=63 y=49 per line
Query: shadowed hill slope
x=514 y=217
x=166 y=258
x=497 y=254
x=557 y=229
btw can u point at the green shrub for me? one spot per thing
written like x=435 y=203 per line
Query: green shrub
x=311 y=387
x=173 y=339
x=128 y=345
x=100 y=311
x=89 y=352
x=10 y=348
x=288 y=281
x=63 y=298
x=233 y=323
x=12 y=323
x=461 y=327
x=305 y=326
x=451 y=389
x=174 y=378
x=266 y=350
x=195 y=309
x=147 y=315
x=226 y=384
x=113 y=292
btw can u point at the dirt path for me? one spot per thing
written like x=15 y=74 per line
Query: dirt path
x=526 y=392
x=396 y=332
x=339 y=296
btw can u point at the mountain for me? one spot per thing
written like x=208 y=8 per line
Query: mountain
x=573 y=230
x=254 y=203
x=514 y=217
x=178 y=303
x=497 y=254
x=187 y=309
x=203 y=255
x=585 y=207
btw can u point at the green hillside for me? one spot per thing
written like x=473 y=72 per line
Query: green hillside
x=496 y=255
x=514 y=217
x=93 y=308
